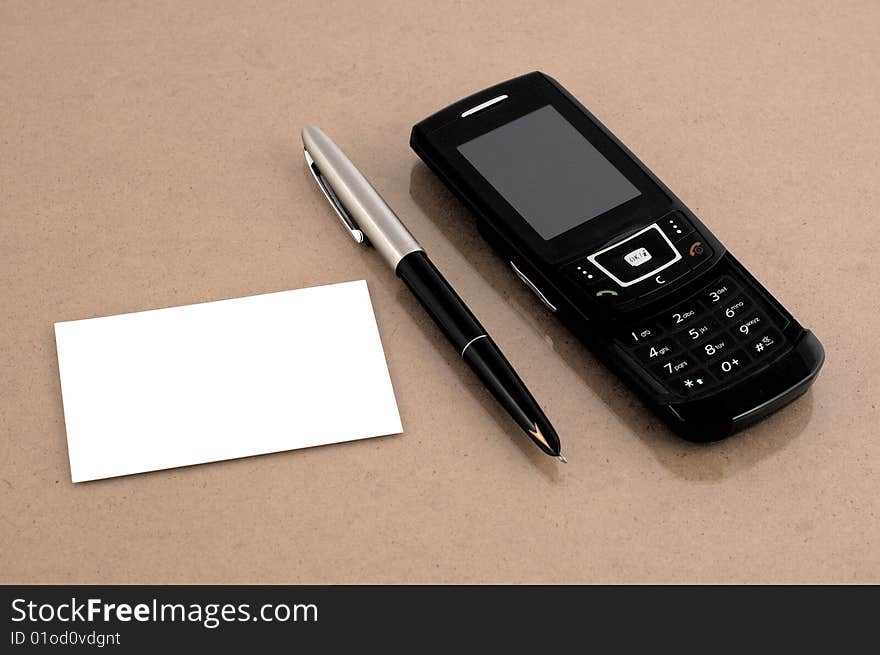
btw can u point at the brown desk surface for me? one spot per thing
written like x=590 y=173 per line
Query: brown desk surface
x=151 y=157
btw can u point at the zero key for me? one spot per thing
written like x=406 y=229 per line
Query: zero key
x=729 y=365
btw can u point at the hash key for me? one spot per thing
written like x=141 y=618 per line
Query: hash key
x=767 y=344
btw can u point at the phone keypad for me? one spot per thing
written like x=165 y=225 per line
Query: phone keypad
x=710 y=339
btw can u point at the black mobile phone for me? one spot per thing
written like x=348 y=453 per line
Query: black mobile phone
x=617 y=256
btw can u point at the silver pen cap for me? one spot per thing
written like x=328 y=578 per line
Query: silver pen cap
x=363 y=212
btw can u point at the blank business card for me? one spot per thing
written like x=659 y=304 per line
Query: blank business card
x=219 y=380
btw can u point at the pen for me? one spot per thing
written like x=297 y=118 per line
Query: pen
x=369 y=219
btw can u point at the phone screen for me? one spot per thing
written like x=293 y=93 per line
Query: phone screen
x=548 y=172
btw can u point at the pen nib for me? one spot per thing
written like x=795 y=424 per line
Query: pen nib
x=537 y=434
x=562 y=459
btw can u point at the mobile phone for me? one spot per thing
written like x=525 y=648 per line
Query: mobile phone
x=608 y=248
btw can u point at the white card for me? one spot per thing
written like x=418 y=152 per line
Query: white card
x=219 y=380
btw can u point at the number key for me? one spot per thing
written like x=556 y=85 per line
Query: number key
x=676 y=319
x=700 y=329
x=730 y=365
x=635 y=335
x=657 y=351
x=718 y=292
x=719 y=345
x=732 y=310
x=750 y=324
x=674 y=367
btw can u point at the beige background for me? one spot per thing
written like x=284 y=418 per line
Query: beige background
x=151 y=157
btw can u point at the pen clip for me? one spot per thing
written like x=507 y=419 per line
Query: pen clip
x=347 y=221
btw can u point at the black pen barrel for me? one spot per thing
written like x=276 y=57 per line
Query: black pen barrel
x=469 y=338
x=439 y=299
x=492 y=367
